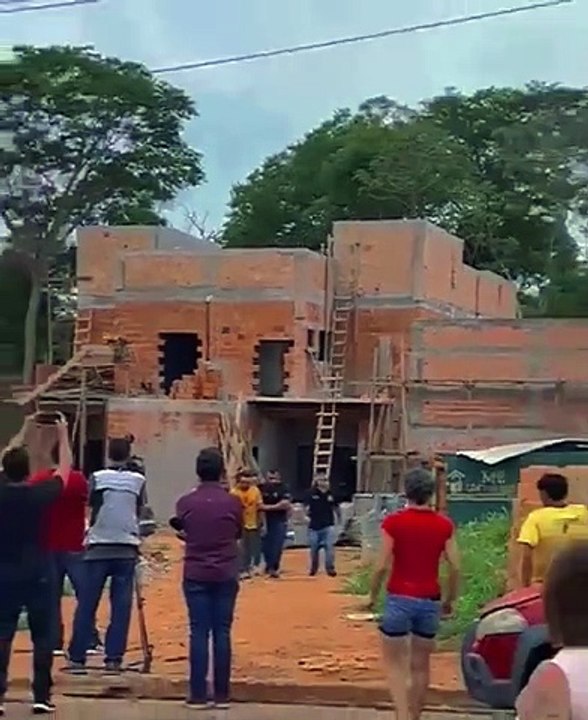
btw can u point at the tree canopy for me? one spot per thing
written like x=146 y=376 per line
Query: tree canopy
x=502 y=168
x=96 y=140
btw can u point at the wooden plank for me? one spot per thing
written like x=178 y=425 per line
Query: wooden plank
x=52 y=379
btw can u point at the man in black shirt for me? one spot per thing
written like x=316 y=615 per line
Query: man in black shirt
x=322 y=511
x=24 y=570
x=276 y=507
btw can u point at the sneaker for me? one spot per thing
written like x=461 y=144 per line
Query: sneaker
x=97 y=649
x=332 y=573
x=75 y=668
x=195 y=705
x=274 y=574
x=313 y=573
x=112 y=667
x=43 y=708
x=222 y=705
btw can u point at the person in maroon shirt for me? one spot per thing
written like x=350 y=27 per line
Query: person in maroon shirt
x=413 y=543
x=62 y=535
x=210 y=522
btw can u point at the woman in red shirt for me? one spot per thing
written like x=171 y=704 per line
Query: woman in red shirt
x=413 y=543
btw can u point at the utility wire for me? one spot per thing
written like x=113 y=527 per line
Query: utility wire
x=460 y=20
x=19 y=6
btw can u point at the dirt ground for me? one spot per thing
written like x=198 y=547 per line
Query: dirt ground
x=292 y=630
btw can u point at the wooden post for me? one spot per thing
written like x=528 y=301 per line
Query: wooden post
x=83 y=419
x=371 y=426
x=403 y=403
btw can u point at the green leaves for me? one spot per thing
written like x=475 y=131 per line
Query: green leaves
x=99 y=139
x=502 y=168
x=96 y=140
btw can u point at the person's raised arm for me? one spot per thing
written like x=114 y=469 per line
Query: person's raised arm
x=65 y=455
x=451 y=554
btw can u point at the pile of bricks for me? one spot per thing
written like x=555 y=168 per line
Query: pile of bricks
x=204 y=383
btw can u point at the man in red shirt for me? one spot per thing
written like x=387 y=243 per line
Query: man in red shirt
x=63 y=532
x=413 y=543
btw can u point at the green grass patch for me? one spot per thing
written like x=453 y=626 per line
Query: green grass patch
x=483 y=549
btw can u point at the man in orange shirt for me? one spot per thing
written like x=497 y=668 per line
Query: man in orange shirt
x=249 y=495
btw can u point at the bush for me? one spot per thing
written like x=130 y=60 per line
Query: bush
x=483 y=548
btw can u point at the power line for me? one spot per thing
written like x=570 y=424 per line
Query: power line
x=460 y=20
x=19 y=6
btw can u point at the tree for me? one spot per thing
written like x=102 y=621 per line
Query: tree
x=368 y=166
x=97 y=140
x=501 y=168
x=528 y=144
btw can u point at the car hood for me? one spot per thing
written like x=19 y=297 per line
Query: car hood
x=513 y=599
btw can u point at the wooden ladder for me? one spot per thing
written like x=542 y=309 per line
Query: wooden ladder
x=82 y=330
x=341 y=314
x=332 y=384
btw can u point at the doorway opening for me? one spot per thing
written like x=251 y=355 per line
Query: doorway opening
x=285 y=436
x=179 y=354
x=269 y=372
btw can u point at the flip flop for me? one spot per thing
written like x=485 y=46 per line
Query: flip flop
x=362 y=616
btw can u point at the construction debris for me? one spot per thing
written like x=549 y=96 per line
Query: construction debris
x=96 y=361
x=235 y=441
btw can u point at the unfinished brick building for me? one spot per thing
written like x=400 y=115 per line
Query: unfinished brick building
x=386 y=343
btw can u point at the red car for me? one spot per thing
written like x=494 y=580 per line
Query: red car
x=501 y=650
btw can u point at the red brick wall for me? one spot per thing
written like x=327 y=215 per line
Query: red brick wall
x=495 y=350
x=234 y=332
x=414 y=259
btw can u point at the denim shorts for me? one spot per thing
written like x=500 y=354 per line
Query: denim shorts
x=405 y=615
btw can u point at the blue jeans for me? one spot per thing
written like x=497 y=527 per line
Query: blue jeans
x=121 y=573
x=325 y=539
x=211 y=606
x=70 y=564
x=31 y=591
x=273 y=544
x=405 y=615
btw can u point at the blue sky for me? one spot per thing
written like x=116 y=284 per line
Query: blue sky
x=251 y=110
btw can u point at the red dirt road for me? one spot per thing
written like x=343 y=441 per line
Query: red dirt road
x=292 y=630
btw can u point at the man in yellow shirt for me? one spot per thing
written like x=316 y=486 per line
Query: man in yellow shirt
x=250 y=497
x=547 y=529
